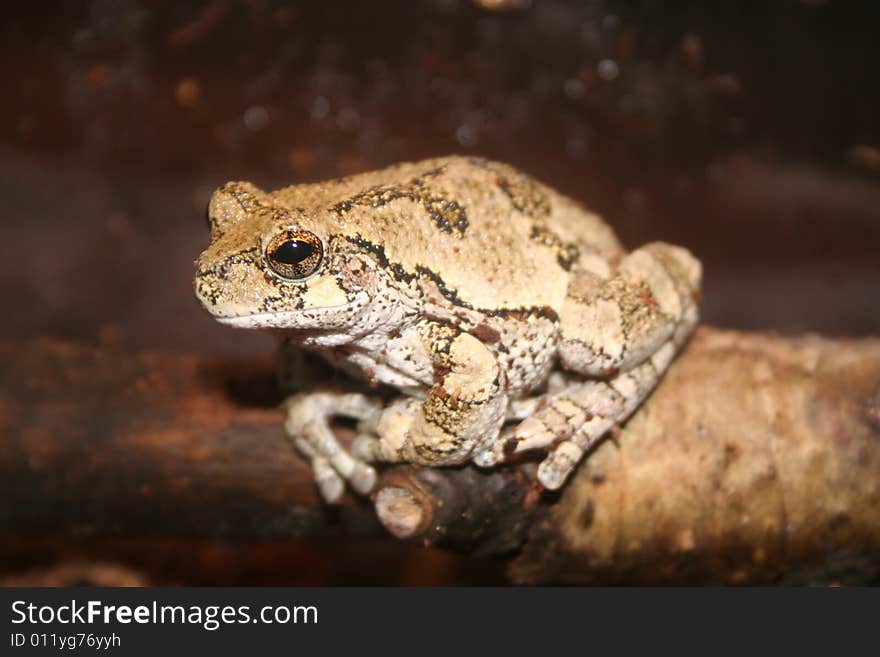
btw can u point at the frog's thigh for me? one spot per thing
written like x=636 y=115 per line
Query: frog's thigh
x=308 y=425
x=616 y=323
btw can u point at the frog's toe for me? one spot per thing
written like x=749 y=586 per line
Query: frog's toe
x=363 y=478
x=371 y=449
x=365 y=448
x=559 y=464
x=330 y=484
x=486 y=459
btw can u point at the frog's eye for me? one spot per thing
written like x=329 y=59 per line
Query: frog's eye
x=295 y=254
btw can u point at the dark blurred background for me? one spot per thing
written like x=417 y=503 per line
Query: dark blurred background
x=747 y=131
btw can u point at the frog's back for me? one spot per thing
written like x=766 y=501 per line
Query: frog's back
x=491 y=236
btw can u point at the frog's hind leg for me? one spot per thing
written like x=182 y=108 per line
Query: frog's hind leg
x=577 y=418
x=523 y=407
x=308 y=425
x=624 y=329
x=570 y=421
x=611 y=325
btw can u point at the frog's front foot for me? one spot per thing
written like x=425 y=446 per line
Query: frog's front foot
x=308 y=425
x=383 y=437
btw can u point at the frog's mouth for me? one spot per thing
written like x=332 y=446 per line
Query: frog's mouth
x=320 y=329
x=261 y=320
x=319 y=319
x=294 y=319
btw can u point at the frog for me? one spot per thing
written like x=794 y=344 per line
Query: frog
x=505 y=316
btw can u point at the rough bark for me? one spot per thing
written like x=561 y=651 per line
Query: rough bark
x=756 y=460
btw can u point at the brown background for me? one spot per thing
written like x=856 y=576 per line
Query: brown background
x=747 y=132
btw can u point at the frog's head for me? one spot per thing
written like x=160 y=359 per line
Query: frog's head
x=269 y=266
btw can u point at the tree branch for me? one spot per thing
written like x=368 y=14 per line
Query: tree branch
x=756 y=460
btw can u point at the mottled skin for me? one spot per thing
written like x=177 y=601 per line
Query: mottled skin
x=479 y=293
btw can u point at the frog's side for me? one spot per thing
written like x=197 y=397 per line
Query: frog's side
x=479 y=293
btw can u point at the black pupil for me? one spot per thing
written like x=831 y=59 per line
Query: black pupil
x=293 y=252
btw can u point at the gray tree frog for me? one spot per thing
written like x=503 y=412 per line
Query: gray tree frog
x=481 y=295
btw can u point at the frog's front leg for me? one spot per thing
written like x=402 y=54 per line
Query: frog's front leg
x=308 y=425
x=461 y=412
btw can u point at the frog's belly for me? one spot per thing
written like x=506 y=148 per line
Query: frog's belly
x=526 y=351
